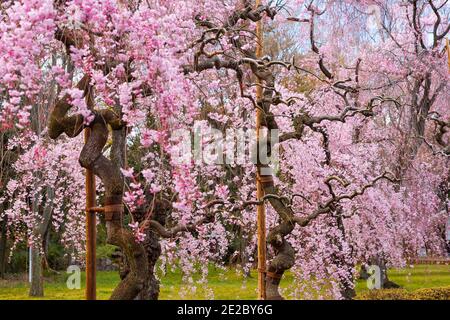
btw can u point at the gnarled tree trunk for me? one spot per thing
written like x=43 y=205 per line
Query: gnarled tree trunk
x=108 y=170
x=152 y=246
x=37 y=255
x=284 y=253
x=37 y=278
x=346 y=281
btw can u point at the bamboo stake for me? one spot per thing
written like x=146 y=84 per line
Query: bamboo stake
x=91 y=267
x=261 y=214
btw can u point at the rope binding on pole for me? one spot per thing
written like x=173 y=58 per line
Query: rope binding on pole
x=113 y=212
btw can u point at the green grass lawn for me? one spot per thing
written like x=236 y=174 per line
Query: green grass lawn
x=226 y=284
x=419 y=276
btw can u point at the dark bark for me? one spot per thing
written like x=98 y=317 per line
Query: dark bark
x=37 y=250
x=284 y=253
x=345 y=281
x=150 y=290
x=37 y=277
x=153 y=249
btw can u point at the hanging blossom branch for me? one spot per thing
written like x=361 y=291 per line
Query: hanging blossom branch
x=241 y=59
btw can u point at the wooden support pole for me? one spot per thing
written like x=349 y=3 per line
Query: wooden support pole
x=448 y=52
x=91 y=232
x=261 y=214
